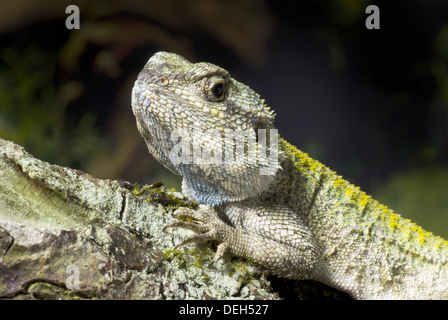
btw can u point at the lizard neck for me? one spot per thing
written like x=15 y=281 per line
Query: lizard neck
x=207 y=190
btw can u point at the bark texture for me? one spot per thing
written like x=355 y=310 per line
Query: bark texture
x=67 y=235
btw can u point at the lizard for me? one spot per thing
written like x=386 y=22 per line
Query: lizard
x=300 y=220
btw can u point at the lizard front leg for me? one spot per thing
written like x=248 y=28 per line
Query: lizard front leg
x=286 y=249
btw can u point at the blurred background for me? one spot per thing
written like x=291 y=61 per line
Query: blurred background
x=370 y=104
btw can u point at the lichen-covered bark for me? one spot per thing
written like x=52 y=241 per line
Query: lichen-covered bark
x=65 y=235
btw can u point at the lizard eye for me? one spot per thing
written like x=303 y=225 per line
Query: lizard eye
x=216 y=89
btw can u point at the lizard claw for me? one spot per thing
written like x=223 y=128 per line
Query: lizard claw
x=197 y=238
x=221 y=250
x=203 y=223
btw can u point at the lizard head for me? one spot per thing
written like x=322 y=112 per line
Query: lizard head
x=186 y=113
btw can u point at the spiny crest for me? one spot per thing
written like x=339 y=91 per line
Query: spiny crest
x=268 y=109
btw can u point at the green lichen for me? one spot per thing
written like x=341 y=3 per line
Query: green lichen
x=171 y=254
x=175 y=257
x=242 y=271
x=202 y=253
x=48 y=291
x=156 y=193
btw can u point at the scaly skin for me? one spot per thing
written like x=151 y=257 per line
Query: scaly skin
x=303 y=221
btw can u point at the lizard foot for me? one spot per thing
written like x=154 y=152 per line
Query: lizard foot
x=295 y=260
x=206 y=224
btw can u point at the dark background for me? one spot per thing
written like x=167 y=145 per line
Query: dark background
x=370 y=104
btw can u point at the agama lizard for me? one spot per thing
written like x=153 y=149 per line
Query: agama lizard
x=299 y=221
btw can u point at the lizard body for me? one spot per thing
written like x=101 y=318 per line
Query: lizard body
x=301 y=220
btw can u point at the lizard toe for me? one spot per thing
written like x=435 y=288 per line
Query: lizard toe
x=197 y=238
x=204 y=214
x=193 y=226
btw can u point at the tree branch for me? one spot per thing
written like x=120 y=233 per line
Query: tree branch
x=65 y=235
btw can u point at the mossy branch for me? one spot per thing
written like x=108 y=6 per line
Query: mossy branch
x=67 y=235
